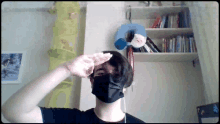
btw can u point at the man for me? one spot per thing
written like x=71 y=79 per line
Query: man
x=109 y=72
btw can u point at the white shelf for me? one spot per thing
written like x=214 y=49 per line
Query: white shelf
x=152 y=12
x=167 y=32
x=164 y=57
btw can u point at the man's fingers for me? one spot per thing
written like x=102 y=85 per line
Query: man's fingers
x=99 y=58
x=103 y=60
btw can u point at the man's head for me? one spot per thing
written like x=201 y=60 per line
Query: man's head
x=118 y=65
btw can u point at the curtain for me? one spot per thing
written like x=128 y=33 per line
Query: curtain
x=65 y=32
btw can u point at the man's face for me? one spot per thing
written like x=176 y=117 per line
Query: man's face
x=103 y=69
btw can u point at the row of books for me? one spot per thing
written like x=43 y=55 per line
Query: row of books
x=149 y=47
x=177 y=20
x=179 y=44
x=164 y=3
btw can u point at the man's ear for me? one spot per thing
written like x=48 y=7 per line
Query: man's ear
x=91 y=80
x=124 y=90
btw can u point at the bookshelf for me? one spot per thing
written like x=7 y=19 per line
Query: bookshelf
x=157 y=33
x=150 y=13
x=164 y=57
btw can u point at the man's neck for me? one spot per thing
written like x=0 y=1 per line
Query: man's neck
x=109 y=111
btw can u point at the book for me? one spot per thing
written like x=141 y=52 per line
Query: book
x=189 y=19
x=194 y=45
x=151 y=42
x=159 y=23
x=165 y=45
x=149 y=45
x=171 y=45
x=166 y=22
x=183 y=44
x=157 y=20
x=191 y=44
x=145 y=50
x=178 y=43
x=153 y=48
x=141 y=50
x=187 y=44
x=176 y=21
x=163 y=50
x=185 y=22
x=163 y=22
x=174 y=44
x=180 y=20
x=169 y=21
x=148 y=48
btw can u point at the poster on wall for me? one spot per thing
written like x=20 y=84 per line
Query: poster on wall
x=12 y=66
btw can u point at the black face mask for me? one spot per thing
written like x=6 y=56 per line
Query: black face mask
x=107 y=88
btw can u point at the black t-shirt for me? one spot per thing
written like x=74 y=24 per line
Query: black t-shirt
x=67 y=115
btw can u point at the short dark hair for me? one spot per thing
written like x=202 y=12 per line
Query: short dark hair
x=122 y=65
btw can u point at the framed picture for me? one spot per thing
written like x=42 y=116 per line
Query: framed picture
x=208 y=113
x=12 y=66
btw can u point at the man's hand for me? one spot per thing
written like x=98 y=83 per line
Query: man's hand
x=83 y=65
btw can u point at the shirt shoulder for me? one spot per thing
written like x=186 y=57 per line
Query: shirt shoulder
x=132 y=119
x=61 y=115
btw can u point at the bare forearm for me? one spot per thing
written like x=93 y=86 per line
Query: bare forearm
x=25 y=99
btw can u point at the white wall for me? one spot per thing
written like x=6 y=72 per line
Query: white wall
x=24 y=28
x=164 y=92
x=31 y=31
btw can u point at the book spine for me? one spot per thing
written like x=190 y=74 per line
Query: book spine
x=178 y=43
x=151 y=42
x=185 y=24
x=157 y=20
x=194 y=45
x=163 y=22
x=169 y=22
x=148 y=49
x=141 y=50
x=187 y=44
x=177 y=20
x=159 y=23
x=145 y=50
x=174 y=21
x=155 y=50
x=183 y=43
x=166 y=22
x=165 y=44
x=171 y=45
x=180 y=19
x=190 y=19
x=174 y=42
x=149 y=45
x=186 y=50
x=191 y=44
